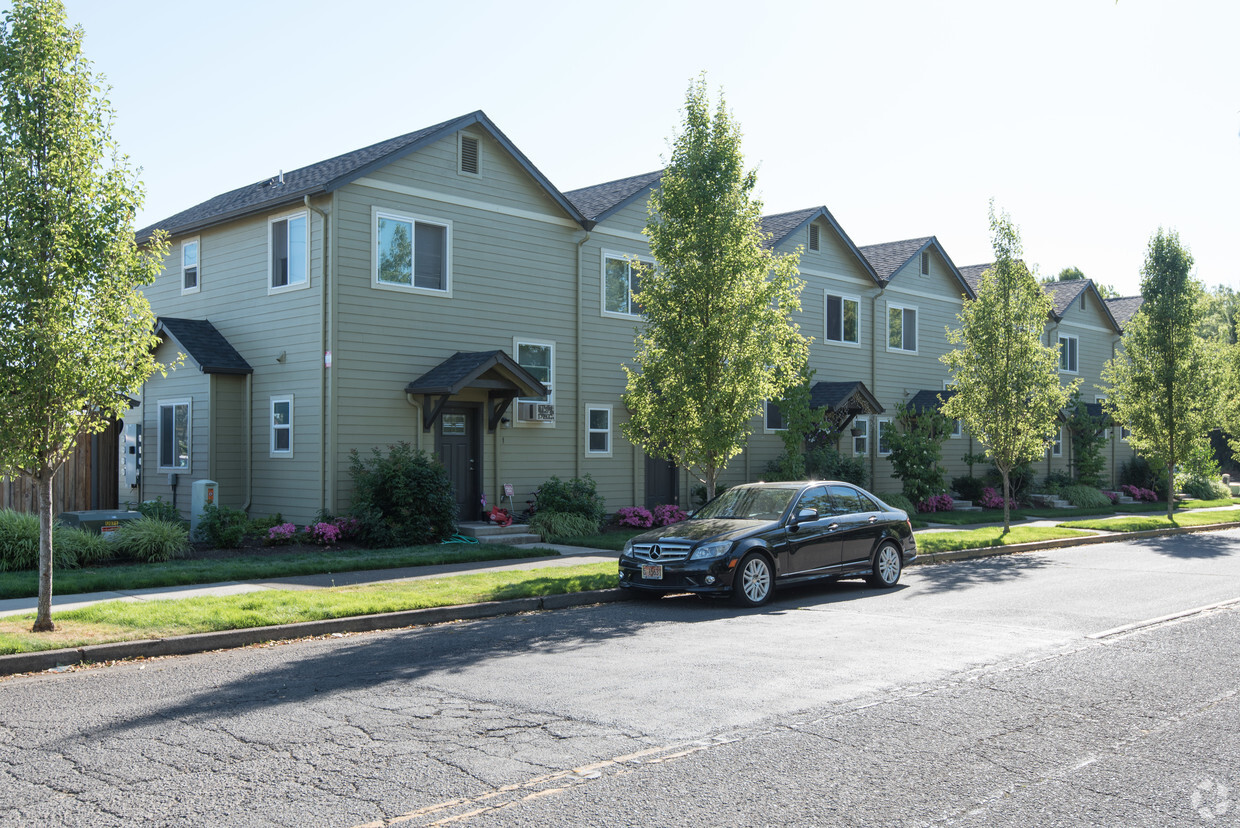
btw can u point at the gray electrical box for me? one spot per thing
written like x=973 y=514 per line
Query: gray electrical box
x=98 y=521
x=131 y=454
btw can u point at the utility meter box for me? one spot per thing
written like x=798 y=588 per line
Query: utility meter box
x=203 y=493
x=131 y=454
x=98 y=521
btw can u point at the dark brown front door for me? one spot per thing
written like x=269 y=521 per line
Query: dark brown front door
x=662 y=482
x=458 y=444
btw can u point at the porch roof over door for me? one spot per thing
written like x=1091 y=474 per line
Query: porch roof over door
x=493 y=371
x=843 y=401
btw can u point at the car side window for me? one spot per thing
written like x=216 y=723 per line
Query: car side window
x=867 y=503
x=815 y=498
x=846 y=500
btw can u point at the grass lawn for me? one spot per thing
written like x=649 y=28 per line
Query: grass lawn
x=929 y=542
x=996 y=515
x=25 y=584
x=125 y=621
x=613 y=540
x=1141 y=524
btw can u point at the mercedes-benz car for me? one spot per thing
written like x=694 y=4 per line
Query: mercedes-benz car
x=755 y=537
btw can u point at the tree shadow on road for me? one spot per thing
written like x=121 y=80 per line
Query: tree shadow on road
x=1194 y=545
x=945 y=577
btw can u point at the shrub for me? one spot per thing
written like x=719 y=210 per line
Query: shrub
x=578 y=496
x=557 y=525
x=1201 y=487
x=916 y=447
x=668 y=513
x=969 y=488
x=348 y=526
x=324 y=534
x=1057 y=482
x=825 y=463
x=19 y=543
x=1140 y=493
x=404 y=498
x=788 y=466
x=281 y=534
x=1138 y=472
x=222 y=527
x=84 y=548
x=1113 y=497
x=898 y=501
x=1020 y=478
x=636 y=517
x=152 y=540
x=261 y=526
x=991 y=499
x=1085 y=496
x=936 y=503
x=158 y=508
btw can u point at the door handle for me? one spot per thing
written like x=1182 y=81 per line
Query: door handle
x=833 y=527
x=873 y=518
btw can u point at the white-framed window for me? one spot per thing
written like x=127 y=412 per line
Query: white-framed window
x=288 y=240
x=1057 y=445
x=412 y=253
x=538 y=358
x=957 y=428
x=843 y=314
x=1068 y=354
x=469 y=153
x=772 y=417
x=1106 y=432
x=191 y=277
x=175 y=435
x=861 y=438
x=621 y=281
x=902 y=328
x=598 y=430
x=282 y=426
x=884 y=432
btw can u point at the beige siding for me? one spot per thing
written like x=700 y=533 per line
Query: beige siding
x=227 y=438
x=186 y=382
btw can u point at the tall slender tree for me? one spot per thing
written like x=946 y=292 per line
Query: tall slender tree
x=718 y=337
x=1008 y=392
x=1163 y=386
x=75 y=334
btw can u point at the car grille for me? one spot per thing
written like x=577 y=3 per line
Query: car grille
x=666 y=552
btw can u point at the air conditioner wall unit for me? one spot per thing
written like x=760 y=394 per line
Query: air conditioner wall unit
x=536 y=412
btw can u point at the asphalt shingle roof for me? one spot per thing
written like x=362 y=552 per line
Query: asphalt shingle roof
x=973 y=275
x=836 y=396
x=600 y=200
x=457 y=371
x=889 y=257
x=1123 y=308
x=782 y=225
x=1063 y=294
x=204 y=344
x=928 y=400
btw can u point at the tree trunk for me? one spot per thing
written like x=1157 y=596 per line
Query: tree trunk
x=1007 y=501
x=43 y=620
x=712 y=476
x=1170 y=488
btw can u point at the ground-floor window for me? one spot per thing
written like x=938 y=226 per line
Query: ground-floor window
x=598 y=430
x=282 y=425
x=174 y=435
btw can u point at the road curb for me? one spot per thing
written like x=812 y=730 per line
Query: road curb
x=227 y=639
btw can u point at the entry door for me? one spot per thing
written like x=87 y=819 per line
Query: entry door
x=662 y=482
x=458 y=444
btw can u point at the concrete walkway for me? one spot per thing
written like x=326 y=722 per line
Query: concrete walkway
x=569 y=556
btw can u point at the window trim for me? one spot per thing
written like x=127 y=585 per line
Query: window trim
x=413 y=219
x=957 y=431
x=591 y=408
x=602 y=299
x=865 y=452
x=272 y=221
x=517 y=342
x=1076 y=352
x=173 y=402
x=766 y=418
x=197 y=242
x=878 y=436
x=826 y=310
x=1106 y=432
x=1057 y=443
x=271 y=422
x=916 y=327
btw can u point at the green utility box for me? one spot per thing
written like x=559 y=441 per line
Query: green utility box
x=100 y=521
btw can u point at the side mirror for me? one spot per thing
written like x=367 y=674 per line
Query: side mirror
x=802 y=516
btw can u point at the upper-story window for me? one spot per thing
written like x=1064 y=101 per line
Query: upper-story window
x=190 y=277
x=289 y=244
x=1068 y=354
x=843 y=319
x=901 y=328
x=621 y=282
x=412 y=253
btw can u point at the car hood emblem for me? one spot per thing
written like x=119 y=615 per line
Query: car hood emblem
x=655 y=552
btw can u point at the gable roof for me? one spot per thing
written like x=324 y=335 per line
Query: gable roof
x=972 y=274
x=1122 y=308
x=599 y=201
x=782 y=225
x=327 y=176
x=459 y=371
x=204 y=344
x=1062 y=294
x=889 y=257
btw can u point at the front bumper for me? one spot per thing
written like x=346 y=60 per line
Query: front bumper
x=681 y=576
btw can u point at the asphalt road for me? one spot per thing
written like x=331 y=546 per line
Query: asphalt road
x=1000 y=691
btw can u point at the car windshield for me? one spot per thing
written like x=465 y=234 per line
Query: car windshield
x=750 y=503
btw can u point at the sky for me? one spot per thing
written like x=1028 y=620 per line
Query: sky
x=1091 y=122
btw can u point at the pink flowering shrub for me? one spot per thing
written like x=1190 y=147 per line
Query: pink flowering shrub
x=1113 y=495
x=348 y=527
x=667 y=514
x=281 y=534
x=324 y=534
x=636 y=517
x=991 y=499
x=1138 y=493
x=936 y=503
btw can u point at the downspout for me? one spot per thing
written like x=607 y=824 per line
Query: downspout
x=324 y=350
x=579 y=441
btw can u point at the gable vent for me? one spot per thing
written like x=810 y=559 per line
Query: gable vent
x=469 y=155
x=925 y=263
x=813 y=237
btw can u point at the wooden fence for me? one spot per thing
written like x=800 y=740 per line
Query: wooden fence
x=87 y=480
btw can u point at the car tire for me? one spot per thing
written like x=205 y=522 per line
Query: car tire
x=888 y=564
x=754 y=582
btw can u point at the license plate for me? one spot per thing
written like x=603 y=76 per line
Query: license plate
x=652 y=572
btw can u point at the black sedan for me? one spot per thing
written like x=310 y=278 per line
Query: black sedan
x=754 y=537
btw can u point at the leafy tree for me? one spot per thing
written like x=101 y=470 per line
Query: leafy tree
x=718 y=338
x=1088 y=435
x=1070 y=274
x=916 y=447
x=75 y=334
x=1007 y=385
x=1163 y=385
x=1220 y=315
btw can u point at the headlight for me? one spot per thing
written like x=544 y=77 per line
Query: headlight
x=711 y=550
x=627 y=551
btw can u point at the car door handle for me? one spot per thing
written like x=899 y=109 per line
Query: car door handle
x=833 y=527
x=873 y=518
